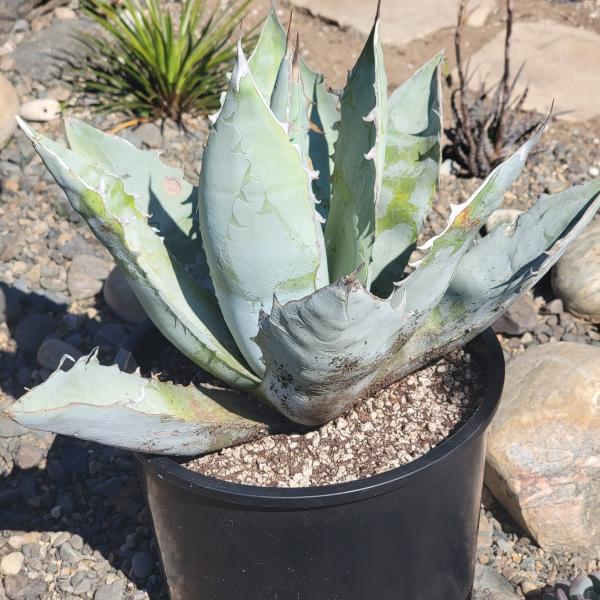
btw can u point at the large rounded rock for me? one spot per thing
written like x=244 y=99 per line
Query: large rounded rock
x=42 y=56
x=9 y=101
x=544 y=448
x=402 y=22
x=548 y=51
x=576 y=276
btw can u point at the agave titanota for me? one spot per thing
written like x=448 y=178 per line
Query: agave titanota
x=291 y=289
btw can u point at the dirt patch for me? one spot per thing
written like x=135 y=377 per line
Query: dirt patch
x=393 y=427
x=332 y=49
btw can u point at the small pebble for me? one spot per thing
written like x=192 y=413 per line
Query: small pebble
x=11 y=563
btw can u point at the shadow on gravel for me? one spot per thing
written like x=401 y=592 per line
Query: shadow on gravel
x=33 y=317
x=92 y=491
x=85 y=489
x=30 y=318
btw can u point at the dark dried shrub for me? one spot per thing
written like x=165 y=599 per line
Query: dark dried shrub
x=489 y=123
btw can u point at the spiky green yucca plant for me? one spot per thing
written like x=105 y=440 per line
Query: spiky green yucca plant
x=308 y=208
x=153 y=64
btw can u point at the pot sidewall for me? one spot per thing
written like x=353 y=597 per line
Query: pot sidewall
x=406 y=534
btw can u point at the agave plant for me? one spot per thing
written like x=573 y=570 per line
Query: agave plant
x=282 y=276
x=583 y=587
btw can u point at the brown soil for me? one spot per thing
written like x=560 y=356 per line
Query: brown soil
x=332 y=49
x=394 y=427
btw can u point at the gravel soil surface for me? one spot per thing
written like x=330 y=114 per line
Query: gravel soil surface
x=393 y=427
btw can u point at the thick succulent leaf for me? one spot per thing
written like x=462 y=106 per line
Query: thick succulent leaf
x=359 y=157
x=322 y=352
x=322 y=134
x=109 y=406
x=325 y=351
x=425 y=286
x=476 y=210
x=311 y=99
x=186 y=313
x=268 y=54
x=290 y=104
x=257 y=213
x=412 y=162
x=159 y=190
x=497 y=270
x=280 y=98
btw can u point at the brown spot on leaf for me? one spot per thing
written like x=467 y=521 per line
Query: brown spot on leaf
x=172 y=186
x=464 y=222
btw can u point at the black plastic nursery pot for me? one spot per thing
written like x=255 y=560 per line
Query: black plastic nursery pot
x=408 y=534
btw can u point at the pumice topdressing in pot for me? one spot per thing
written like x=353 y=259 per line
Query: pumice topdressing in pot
x=394 y=426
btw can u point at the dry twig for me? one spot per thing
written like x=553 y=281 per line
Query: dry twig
x=486 y=124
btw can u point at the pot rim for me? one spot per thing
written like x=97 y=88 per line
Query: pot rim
x=486 y=350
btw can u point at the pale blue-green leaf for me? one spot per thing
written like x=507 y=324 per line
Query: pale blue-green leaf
x=322 y=134
x=291 y=106
x=323 y=352
x=268 y=54
x=159 y=191
x=106 y=405
x=359 y=157
x=316 y=109
x=257 y=213
x=280 y=97
x=497 y=270
x=412 y=161
x=186 y=313
x=425 y=286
